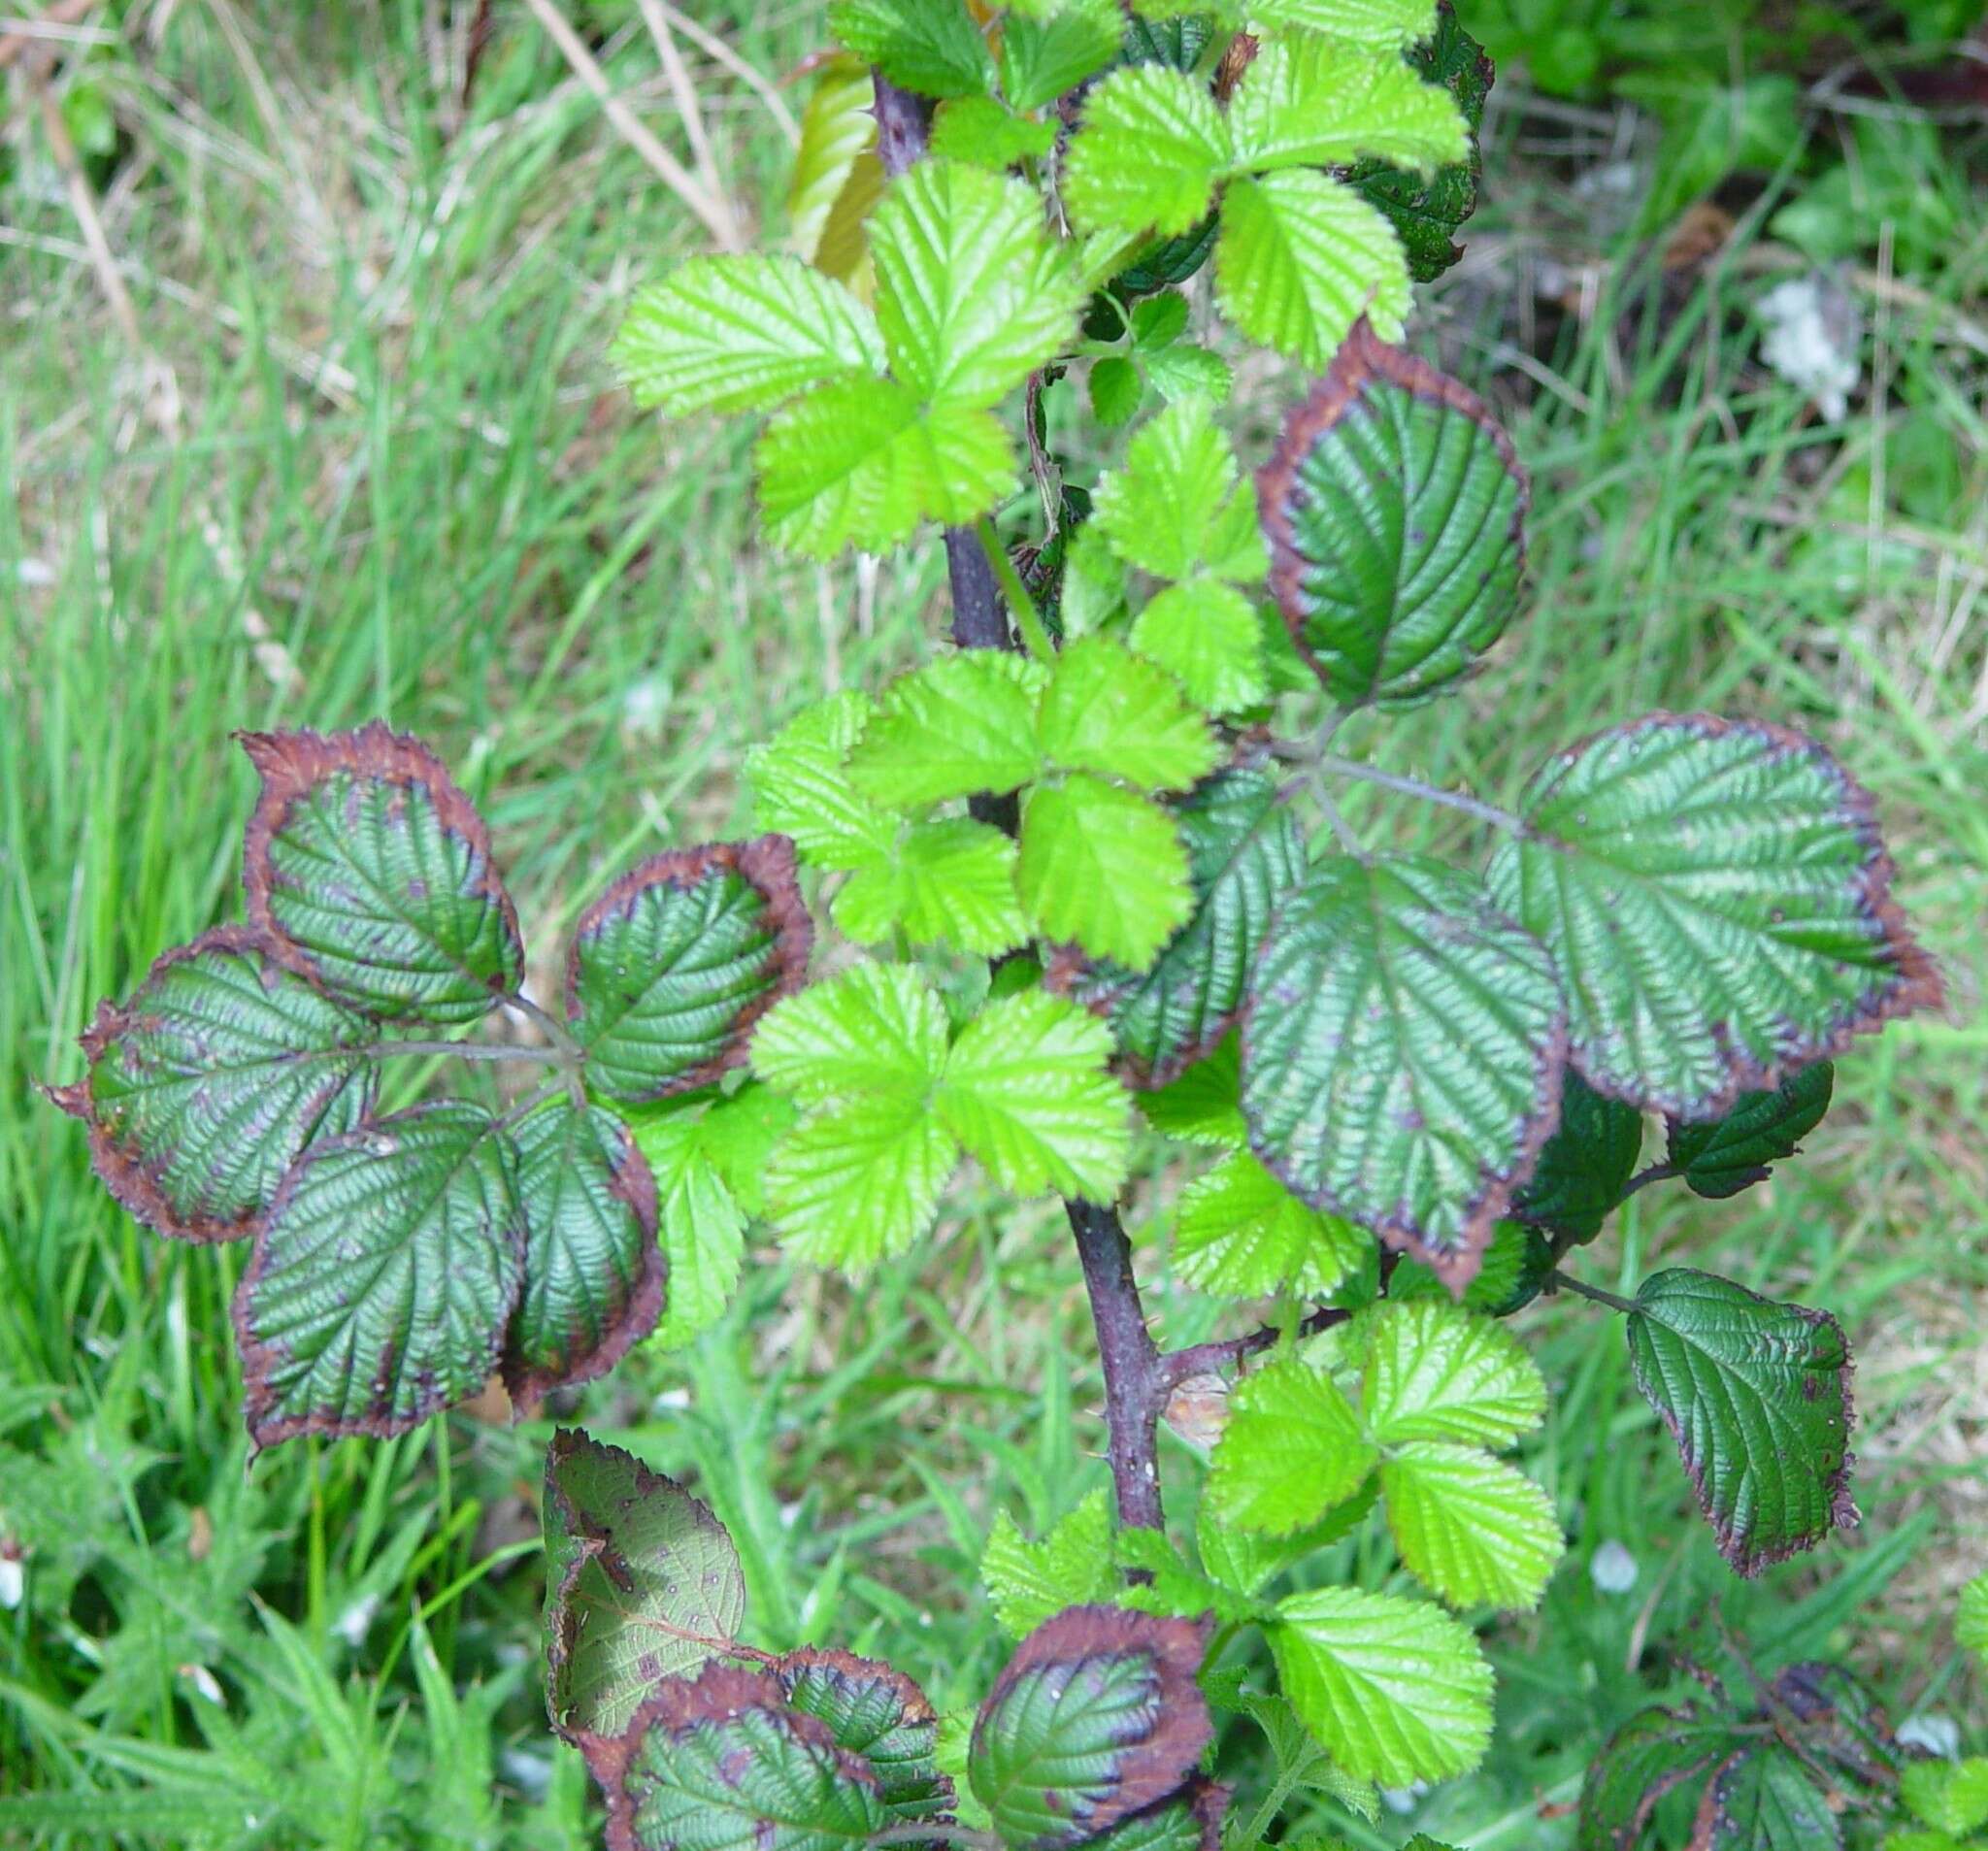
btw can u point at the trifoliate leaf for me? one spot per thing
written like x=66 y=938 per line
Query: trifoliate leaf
x=670 y=969
x=1301 y=258
x=928 y=45
x=962 y=724
x=382 y=1279
x=1757 y=1396
x=1434 y=1372
x=1720 y=903
x=1373 y=23
x=876 y=1714
x=739 y=333
x=1026 y=1093
x=1097 y=1717
x=1470 y=1528
x=212 y=1080
x=1043 y=58
x=1109 y=711
x=973 y=294
x=946 y=882
x=1395 y=508
x=1029 y=1582
x=1736 y=1152
x=1651 y=1755
x=643 y=1585
x=1178 y=506
x=1147 y=154
x=1204 y=1105
x=1584 y=1168
x=1395 y=1689
x=368 y=871
x=1206 y=635
x=801 y=786
x=1763 y=1799
x=1102 y=867
x=982 y=132
x=702 y=1226
x=1240 y=1232
x=1402 y=1054
x=1117 y=390
x=856 y=1183
x=872 y=1029
x=838 y=177
x=1292 y=1449
x=1319 y=102
x=593 y=1272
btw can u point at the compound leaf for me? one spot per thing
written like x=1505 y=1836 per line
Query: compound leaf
x=1470 y=1528
x=874 y=1028
x=1030 y=1582
x=1206 y=635
x=368 y=871
x=1239 y=1232
x=1402 y=1054
x=1293 y=1448
x=1320 y=102
x=1434 y=1372
x=1108 y=712
x=1395 y=507
x=1043 y=58
x=801 y=786
x=946 y=882
x=382 y=1279
x=1757 y=1396
x=1735 y=1151
x=1383 y=23
x=1763 y=1799
x=928 y=46
x=1104 y=867
x=593 y=1272
x=212 y=1080
x=1179 y=505
x=878 y=1715
x=1720 y=903
x=1148 y=154
x=1584 y=1168
x=670 y=969
x=962 y=724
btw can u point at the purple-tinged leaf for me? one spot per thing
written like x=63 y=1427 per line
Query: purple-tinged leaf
x=879 y=1714
x=1763 y=1798
x=1650 y=1756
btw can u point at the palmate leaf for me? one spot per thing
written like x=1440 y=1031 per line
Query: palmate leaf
x=1395 y=508
x=1240 y=1232
x=1150 y=150
x=1733 y=1152
x=1293 y=1448
x=1319 y=102
x=368 y=871
x=1402 y=1054
x=1584 y=1168
x=1757 y=1396
x=671 y=967
x=876 y=1714
x=643 y=1585
x=382 y=1279
x=1470 y=1528
x=1718 y=899
x=1030 y=1582
x=928 y=45
x=210 y=1081
x=1651 y=1755
x=1096 y=1718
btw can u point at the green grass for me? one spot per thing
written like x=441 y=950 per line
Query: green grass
x=463 y=528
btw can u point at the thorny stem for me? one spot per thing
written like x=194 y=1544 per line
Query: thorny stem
x=1133 y=1385
x=1175 y=1367
x=1595 y=1292
x=1026 y=616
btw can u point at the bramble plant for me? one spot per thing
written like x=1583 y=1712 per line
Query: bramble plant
x=1099 y=903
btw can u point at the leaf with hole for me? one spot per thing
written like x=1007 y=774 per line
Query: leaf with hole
x=1736 y=1151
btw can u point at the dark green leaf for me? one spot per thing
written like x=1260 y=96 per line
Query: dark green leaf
x=382 y=1279
x=1167 y=262
x=1652 y=1754
x=209 y=1083
x=675 y=963
x=1586 y=1164
x=1763 y=1799
x=368 y=871
x=1733 y=1152
x=1178 y=40
x=878 y=1714
x=643 y=1585
x=1841 y=1724
x=1757 y=1396
x=1395 y=508
x=1190 y=1823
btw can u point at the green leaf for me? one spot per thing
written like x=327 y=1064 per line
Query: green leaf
x=801 y=786
x=1720 y=903
x=1148 y=154
x=859 y=1181
x=1248 y=1561
x=212 y=1080
x=1096 y=1718
x=1951 y=1797
x=962 y=724
x=384 y=1277
x=1434 y=1371
x=702 y=1226
x=1293 y=1448
x=928 y=45
x=946 y=882
x=1970 y=1618
x=739 y=333
x=1757 y=1396
x=724 y=1762
x=642 y=1586
x=1026 y=1092
x=1117 y=390
x=1030 y=1582
x=1513 y=1273
x=973 y=295
x=1206 y=635
x=1764 y=1799
x=1735 y=1151
x=1301 y=258
x=1185 y=372
x=874 y=1028
x=369 y=871
x=1402 y=1054
x=1102 y=867
x=1193 y=1823
x=1204 y=1105
x=1395 y=1689
x=670 y=969
x=1320 y=102
x=1651 y=1755
x=1584 y=1168
x=593 y=1272
x=1373 y=23
x=1159 y=320
x=1470 y=1528
x=1179 y=505
x=837 y=178
x=1395 y=509
x=876 y=1714
x=1043 y=58
x=981 y=132
x=1239 y=1232
x=1107 y=710
x=1171 y=1589
x=1304 y=1767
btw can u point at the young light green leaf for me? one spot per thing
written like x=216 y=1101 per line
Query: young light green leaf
x=928 y=45
x=801 y=786
x=1044 y=58
x=1757 y=1396
x=382 y=1279
x=643 y=1585
x=212 y=1080
x=1402 y=1054
x=1239 y=1232
x=1303 y=1766
x=1395 y=1689
x=961 y=724
x=872 y=1029
x=1171 y=1589
x=1320 y=102
x=945 y=882
x=876 y=1714
x=1470 y=1528
x=1102 y=867
x=1147 y=154
x=1301 y=258
x=1721 y=901
x=979 y=132
x=1206 y=635
x=1434 y=1372
x=1584 y=1168
x=1247 y=1561
x=1185 y=371
x=1384 y=23
x=1116 y=391
x=670 y=969
x=1736 y=1150
x=701 y=1224
x=739 y=333
x=1292 y=1449
x=1395 y=508
x=858 y=1181
x=1029 y=1582
x=368 y=871
x=1107 y=711
x=1178 y=506
x=1970 y=1618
